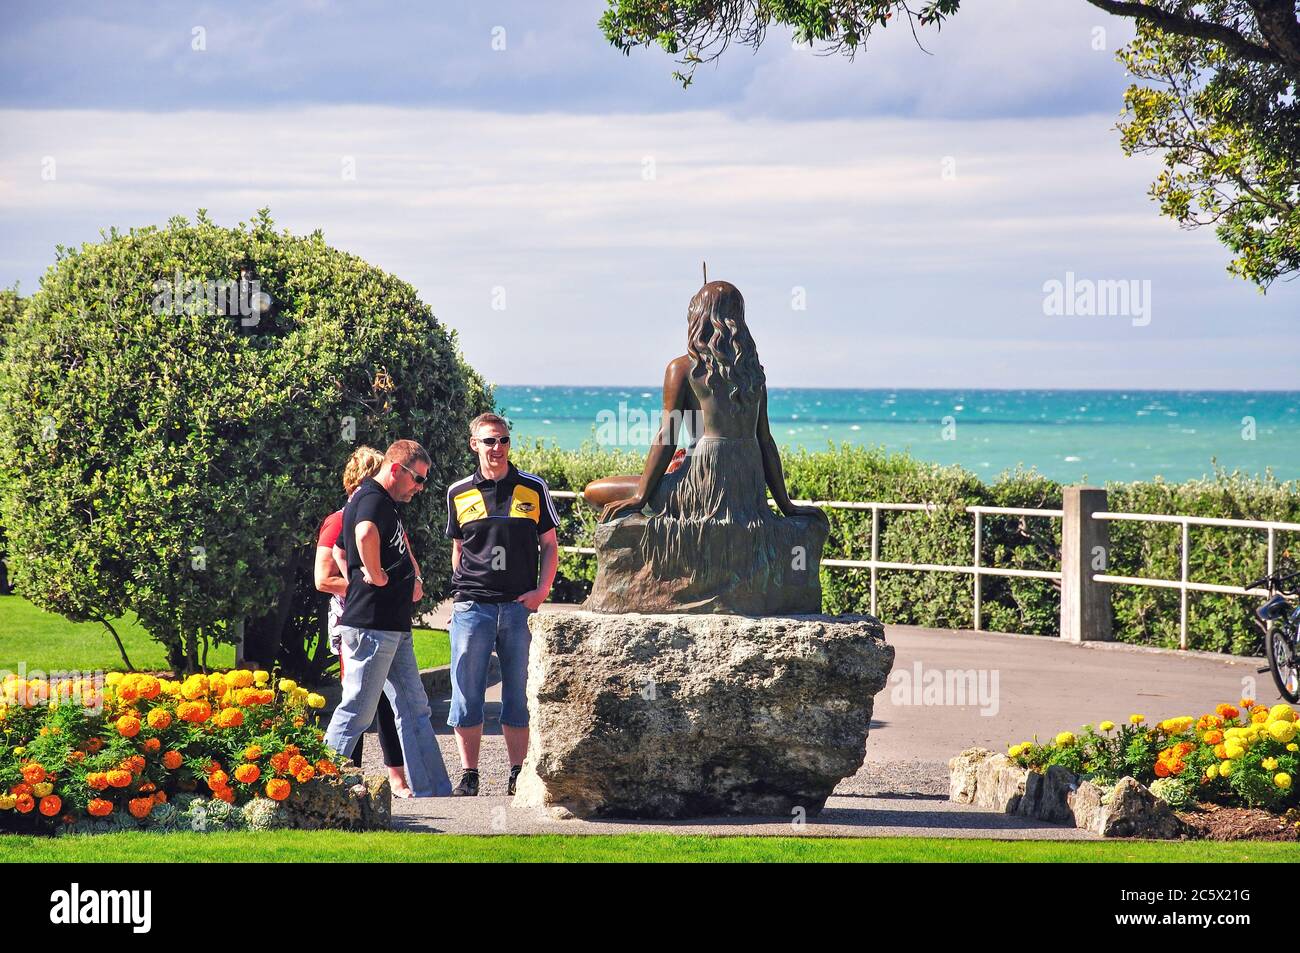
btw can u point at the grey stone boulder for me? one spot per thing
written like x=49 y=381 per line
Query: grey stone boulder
x=667 y=716
x=980 y=777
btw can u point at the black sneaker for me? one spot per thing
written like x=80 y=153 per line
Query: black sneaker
x=468 y=786
x=514 y=776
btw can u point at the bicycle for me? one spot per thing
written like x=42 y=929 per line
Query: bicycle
x=1280 y=622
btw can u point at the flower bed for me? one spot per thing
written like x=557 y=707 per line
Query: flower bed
x=1225 y=773
x=1237 y=756
x=127 y=751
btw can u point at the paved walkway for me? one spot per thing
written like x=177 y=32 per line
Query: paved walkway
x=984 y=689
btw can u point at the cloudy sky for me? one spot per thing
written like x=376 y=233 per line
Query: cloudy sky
x=892 y=221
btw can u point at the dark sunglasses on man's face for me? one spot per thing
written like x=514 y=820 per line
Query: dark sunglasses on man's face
x=493 y=441
x=421 y=480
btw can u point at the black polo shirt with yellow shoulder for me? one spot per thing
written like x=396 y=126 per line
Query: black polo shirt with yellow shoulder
x=498 y=523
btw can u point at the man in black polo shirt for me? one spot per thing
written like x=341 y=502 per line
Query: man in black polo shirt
x=498 y=519
x=375 y=629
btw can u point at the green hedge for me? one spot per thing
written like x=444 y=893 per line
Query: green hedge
x=945 y=600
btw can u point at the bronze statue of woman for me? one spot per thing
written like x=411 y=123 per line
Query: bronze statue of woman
x=710 y=542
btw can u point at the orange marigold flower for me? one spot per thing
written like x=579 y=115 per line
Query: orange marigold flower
x=224 y=794
x=76 y=757
x=306 y=774
x=33 y=773
x=24 y=803
x=147 y=788
x=97 y=780
x=277 y=789
x=152 y=745
x=94 y=744
x=172 y=760
x=119 y=778
x=135 y=764
x=296 y=763
x=1220 y=751
x=252 y=752
x=230 y=718
x=160 y=718
x=1162 y=769
x=1248 y=703
x=218 y=779
x=1226 y=711
x=248 y=773
x=51 y=804
x=1213 y=737
x=195 y=712
x=292 y=750
x=1259 y=715
x=128 y=726
x=280 y=762
x=140 y=807
x=149 y=686
x=22 y=787
x=98 y=807
x=160 y=797
x=326 y=767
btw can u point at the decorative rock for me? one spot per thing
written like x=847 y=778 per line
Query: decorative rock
x=668 y=716
x=980 y=777
x=342 y=803
x=1133 y=811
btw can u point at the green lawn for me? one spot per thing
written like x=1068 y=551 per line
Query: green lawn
x=317 y=846
x=49 y=642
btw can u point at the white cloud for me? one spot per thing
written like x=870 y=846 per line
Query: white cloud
x=909 y=276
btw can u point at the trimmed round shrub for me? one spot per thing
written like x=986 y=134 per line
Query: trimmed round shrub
x=176 y=407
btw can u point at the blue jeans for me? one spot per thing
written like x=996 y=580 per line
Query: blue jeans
x=476 y=629
x=375 y=661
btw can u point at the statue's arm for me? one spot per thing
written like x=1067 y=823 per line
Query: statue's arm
x=664 y=445
x=772 y=471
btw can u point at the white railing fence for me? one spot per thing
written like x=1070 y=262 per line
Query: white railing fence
x=1085 y=598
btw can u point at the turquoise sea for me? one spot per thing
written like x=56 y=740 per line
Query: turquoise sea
x=1068 y=435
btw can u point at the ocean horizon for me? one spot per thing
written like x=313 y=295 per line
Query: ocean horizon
x=1067 y=435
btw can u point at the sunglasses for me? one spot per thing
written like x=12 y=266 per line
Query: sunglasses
x=493 y=441
x=420 y=480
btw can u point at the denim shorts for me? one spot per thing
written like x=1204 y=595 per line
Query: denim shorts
x=476 y=629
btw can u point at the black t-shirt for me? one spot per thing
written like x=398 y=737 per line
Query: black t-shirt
x=498 y=523
x=377 y=607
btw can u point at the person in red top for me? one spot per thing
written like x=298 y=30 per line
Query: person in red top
x=364 y=462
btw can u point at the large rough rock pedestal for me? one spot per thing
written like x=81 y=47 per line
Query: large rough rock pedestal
x=666 y=716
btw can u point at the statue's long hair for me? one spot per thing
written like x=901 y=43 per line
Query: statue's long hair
x=722 y=350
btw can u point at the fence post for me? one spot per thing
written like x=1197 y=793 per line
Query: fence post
x=1085 y=550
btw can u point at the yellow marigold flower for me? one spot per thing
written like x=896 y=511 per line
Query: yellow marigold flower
x=315 y=701
x=1283 y=731
x=260 y=678
x=1065 y=739
x=1259 y=716
x=1107 y=726
x=241 y=678
x=1234 y=750
x=252 y=752
x=1281 y=713
x=112 y=678
x=160 y=718
x=1213 y=737
x=1014 y=751
x=287 y=684
x=1293 y=747
x=1269 y=764
x=44 y=789
x=7 y=802
x=1282 y=780
x=1137 y=719
x=1225 y=769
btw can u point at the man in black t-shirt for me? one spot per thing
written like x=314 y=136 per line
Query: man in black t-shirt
x=502 y=525
x=375 y=629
